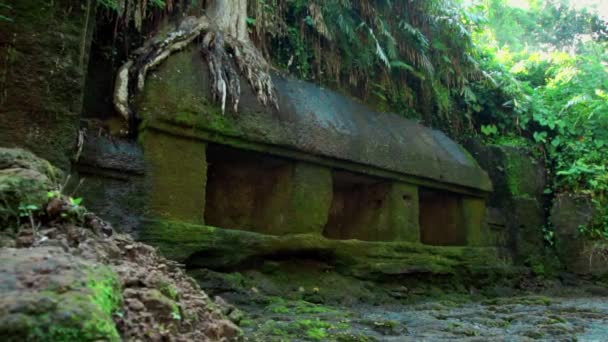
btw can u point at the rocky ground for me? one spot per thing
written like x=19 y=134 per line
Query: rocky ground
x=67 y=283
x=277 y=304
x=66 y=275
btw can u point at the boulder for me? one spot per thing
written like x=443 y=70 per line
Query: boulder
x=24 y=182
x=577 y=252
x=516 y=211
x=47 y=294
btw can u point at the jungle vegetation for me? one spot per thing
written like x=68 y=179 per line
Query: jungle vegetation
x=534 y=76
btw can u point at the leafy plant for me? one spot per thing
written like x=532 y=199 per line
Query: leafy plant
x=28 y=211
x=489 y=130
x=4 y=6
x=136 y=12
x=317 y=334
x=75 y=211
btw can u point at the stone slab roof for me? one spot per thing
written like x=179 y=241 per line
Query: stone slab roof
x=312 y=120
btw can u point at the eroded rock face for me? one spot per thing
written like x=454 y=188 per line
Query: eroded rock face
x=516 y=214
x=45 y=47
x=578 y=253
x=311 y=121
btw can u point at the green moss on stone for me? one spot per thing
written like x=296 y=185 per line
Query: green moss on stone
x=42 y=103
x=81 y=314
x=473 y=213
x=310 y=198
x=225 y=249
x=181 y=78
x=24 y=181
x=177 y=169
x=514 y=174
x=522 y=175
x=105 y=289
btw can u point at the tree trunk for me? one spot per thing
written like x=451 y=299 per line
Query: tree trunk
x=230 y=17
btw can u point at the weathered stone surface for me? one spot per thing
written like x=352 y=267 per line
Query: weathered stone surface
x=114 y=154
x=516 y=214
x=513 y=171
x=372 y=210
x=265 y=194
x=403 y=208
x=47 y=294
x=578 y=253
x=312 y=121
x=113 y=185
x=44 y=49
x=176 y=176
x=526 y=220
x=309 y=200
x=474 y=213
x=442 y=221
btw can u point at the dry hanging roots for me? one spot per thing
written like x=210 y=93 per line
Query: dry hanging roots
x=225 y=78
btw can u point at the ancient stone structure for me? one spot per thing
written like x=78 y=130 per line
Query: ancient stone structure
x=322 y=165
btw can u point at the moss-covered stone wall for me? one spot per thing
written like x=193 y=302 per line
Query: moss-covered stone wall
x=176 y=172
x=43 y=56
x=577 y=252
x=516 y=213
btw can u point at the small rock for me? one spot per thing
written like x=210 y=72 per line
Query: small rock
x=135 y=304
x=24 y=241
x=156 y=302
x=236 y=316
x=223 y=305
x=54 y=208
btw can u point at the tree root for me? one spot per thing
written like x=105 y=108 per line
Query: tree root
x=225 y=77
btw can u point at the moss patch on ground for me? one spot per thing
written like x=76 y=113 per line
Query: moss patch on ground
x=307 y=300
x=69 y=299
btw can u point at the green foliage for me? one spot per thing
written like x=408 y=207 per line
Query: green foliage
x=136 y=12
x=5 y=7
x=489 y=130
x=411 y=57
x=317 y=334
x=547 y=24
x=75 y=211
x=26 y=210
x=557 y=100
x=169 y=290
x=597 y=229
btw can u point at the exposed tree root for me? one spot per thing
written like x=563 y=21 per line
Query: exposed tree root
x=225 y=77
